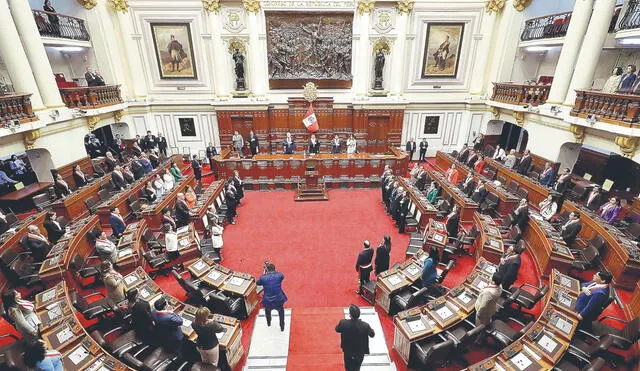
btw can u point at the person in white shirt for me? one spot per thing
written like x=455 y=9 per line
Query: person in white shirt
x=486 y=303
x=548 y=208
x=158 y=185
x=170 y=241
x=499 y=153
x=168 y=181
x=105 y=249
x=351 y=145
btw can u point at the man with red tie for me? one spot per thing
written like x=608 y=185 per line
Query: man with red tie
x=364 y=264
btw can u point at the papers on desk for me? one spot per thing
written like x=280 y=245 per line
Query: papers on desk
x=416 y=325
x=186 y=322
x=481 y=284
x=564 y=281
x=220 y=335
x=130 y=279
x=548 y=344
x=438 y=237
x=565 y=300
x=236 y=281
x=184 y=242
x=413 y=270
x=144 y=293
x=54 y=312
x=521 y=361
x=182 y=230
x=394 y=279
x=494 y=243
x=64 y=335
x=444 y=312
x=49 y=295
x=200 y=265
x=491 y=269
x=124 y=252
x=464 y=298
x=214 y=275
x=79 y=355
x=563 y=325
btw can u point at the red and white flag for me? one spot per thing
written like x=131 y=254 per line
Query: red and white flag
x=310 y=120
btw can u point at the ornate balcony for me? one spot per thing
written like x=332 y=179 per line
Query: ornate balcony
x=618 y=109
x=631 y=18
x=60 y=26
x=16 y=107
x=91 y=97
x=520 y=94
x=546 y=27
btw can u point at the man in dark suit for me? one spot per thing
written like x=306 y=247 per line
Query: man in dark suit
x=480 y=193
x=563 y=181
x=167 y=323
x=197 y=169
x=137 y=168
x=473 y=157
x=520 y=215
x=182 y=211
x=478 y=142
x=230 y=200
x=354 y=339
x=313 y=145
x=118 y=179
x=410 y=147
x=421 y=179
x=525 y=163
x=149 y=142
x=254 y=144
x=90 y=77
x=118 y=226
x=464 y=153
x=594 y=200
x=211 y=151
x=468 y=185
x=592 y=298
x=570 y=230
x=37 y=244
x=509 y=266
x=53 y=228
x=128 y=175
x=162 y=144
x=79 y=177
x=403 y=210
x=453 y=221
x=548 y=175
x=168 y=219
x=364 y=264
x=4 y=224
x=423 y=149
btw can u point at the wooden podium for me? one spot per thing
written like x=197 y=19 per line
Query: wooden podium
x=312 y=188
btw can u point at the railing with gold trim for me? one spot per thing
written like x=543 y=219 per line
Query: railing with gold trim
x=16 y=107
x=619 y=109
x=91 y=97
x=520 y=94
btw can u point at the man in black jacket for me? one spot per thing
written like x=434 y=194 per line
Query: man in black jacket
x=364 y=264
x=525 y=163
x=211 y=151
x=230 y=200
x=410 y=147
x=53 y=228
x=480 y=193
x=509 y=266
x=118 y=179
x=197 y=169
x=182 y=211
x=354 y=338
x=453 y=222
x=570 y=230
x=520 y=215
x=37 y=244
x=403 y=210
x=161 y=142
x=149 y=142
x=423 y=149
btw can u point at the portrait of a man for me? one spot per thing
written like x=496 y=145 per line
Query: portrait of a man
x=442 y=48
x=174 y=50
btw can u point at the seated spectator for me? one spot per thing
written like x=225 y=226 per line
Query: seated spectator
x=22 y=315
x=37 y=357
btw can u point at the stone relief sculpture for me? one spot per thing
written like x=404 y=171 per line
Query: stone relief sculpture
x=309 y=47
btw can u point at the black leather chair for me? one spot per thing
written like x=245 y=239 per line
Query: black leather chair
x=125 y=341
x=587 y=258
x=490 y=204
x=97 y=309
x=433 y=352
x=151 y=241
x=528 y=298
x=506 y=299
x=568 y=364
x=504 y=335
x=103 y=194
x=195 y=293
x=622 y=338
x=227 y=305
x=19 y=267
x=199 y=366
x=410 y=297
x=82 y=269
x=512 y=187
x=513 y=237
x=443 y=209
x=158 y=263
x=11 y=352
x=92 y=204
x=463 y=334
x=577 y=193
x=461 y=244
x=42 y=201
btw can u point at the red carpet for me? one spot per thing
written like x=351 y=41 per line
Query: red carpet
x=314 y=343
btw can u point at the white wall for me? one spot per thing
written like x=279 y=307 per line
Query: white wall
x=530 y=66
x=41 y=163
x=569 y=153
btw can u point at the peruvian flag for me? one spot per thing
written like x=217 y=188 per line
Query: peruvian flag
x=310 y=120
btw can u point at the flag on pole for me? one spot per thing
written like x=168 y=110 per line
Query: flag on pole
x=310 y=120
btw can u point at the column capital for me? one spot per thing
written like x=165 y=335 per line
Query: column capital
x=365 y=6
x=117 y=115
x=495 y=6
x=405 y=6
x=89 y=4
x=628 y=145
x=211 y=6
x=30 y=138
x=578 y=133
x=92 y=122
x=519 y=116
x=495 y=111
x=251 y=6
x=119 y=5
x=521 y=5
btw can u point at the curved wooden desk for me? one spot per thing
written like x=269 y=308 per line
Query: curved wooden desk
x=546 y=246
x=420 y=206
x=537 y=192
x=206 y=198
x=488 y=244
x=153 y=212
x=467 y=206
x=73 y=205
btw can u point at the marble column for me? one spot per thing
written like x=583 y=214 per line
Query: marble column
x=363 y=67
x=255 y=56
x=398 y=55
x=37 y=56
x=132 y=52
x=569 y=53
x=484 y=40
x=505 y=45
x=15 y=58
x=591 y=50
x=222 y=73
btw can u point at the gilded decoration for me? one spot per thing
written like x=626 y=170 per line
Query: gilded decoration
x=236 y=44
x=92 y=121
x=88 y=4
x=628 y=145
x=405 y=6
x=521 y=5
x=495 y=6
x=251 y=6
x=383 y=19
x=117 y=115
x=30 y=138
x=310 y=92
x=519 y=116
x=365 y=6
x=495 y=111
x=578 y=133
x=119 y=5
x=211 y=6
x=382 y=43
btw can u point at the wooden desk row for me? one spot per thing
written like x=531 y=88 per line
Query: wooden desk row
x=546 y=246
x=230 y=341
x=153 y=212
x=547 y=340
x=442 y=313
x=488 y=244
x=620 y=256
x=73 y=205
x=287 y=167
x=395 y=279
x=210 y=195
x=8 y=239
x=508 y=201
x=61 y=330
x=537 y=192
x=466 y=204
x=419 y=205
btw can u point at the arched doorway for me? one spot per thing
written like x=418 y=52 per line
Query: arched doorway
x=513 y=137
x=41 y=163
x=102 y=139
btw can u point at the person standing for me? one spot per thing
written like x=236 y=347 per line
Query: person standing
x=237 y=184
x=410 y=147
x=510 y=160
x=453 y=222
x=520 y=215
x=525 y=163
x=363 y=264
x=486 y=304
x=289 y=145
x=37 y=244
x=207 y=342
x=570 y=230
x=61 y=187
x=452 y=175
x=105 y=249
x=181 y=211
x=593 y=200
x=54 y=229
x=197 y=168
x=610 y=211
x=429 y=274
x=230 y=200
x=162 y=144
x=37 y=357
x=254 y=144
x=478 y=142
x=168 y=326
x=510 y=265
x=354 y=338
x=273 y=297
x=117 y=178
x=118 y=226
x=113 y=282
x=423 y=149
x=593 y=295
x=548 y=207
x=351 y=145
x=548 y=175
x=336 y=145
x=211 y=151
x=22 y=314
x=149 y=142
x=237 y=142
x=383 y=252
x=314 y=145
x=563 y=181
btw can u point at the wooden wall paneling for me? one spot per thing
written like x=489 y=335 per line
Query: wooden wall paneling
x=394 y=134
x=277 y=128
x=591 y=162
x=225 y=128
x=360 y=128
x=378 y=125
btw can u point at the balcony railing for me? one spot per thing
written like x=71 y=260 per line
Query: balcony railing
x=60 y=25
x=16 y=107
x=520 y=94
x=547 y=27
x=91 y=97
x=613 y=108
x=631 y=17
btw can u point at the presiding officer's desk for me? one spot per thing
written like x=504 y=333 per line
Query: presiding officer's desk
x=466 y=204
x=420 y=206
x=619 y=255
x=546 y=246
x=545 y=343
x=508 y=201
x=230 y=341
x=442 y=313
x=153 y=212
x=336 y=168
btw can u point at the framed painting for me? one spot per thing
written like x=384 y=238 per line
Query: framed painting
x=174 y=50
x=431 y=124
x=187 y=127
x=442 y=50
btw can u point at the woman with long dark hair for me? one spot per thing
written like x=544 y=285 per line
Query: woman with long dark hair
x=37 y=357
x=429 y=273
x=22 y=315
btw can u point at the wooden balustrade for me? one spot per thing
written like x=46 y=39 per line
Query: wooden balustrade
x=16 y=107
x=91 y=97
x=618 y=109
x=520 y=94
